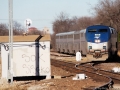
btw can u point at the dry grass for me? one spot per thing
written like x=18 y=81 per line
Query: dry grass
x=17 y=85
x=27 y=38
x=13 y=86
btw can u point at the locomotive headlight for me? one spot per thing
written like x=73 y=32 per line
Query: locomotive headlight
x=97 y=41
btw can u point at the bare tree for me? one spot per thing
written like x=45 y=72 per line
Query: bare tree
x=73 y=26
x=84 y=22
x=18 y=29
x=3 y=29
x=61 y=24
x=108 y=13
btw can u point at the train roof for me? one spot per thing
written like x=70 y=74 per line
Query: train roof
x=60 y=33
x=71 y=32
x=65 y=33
x=80 y=31
x=83 y=31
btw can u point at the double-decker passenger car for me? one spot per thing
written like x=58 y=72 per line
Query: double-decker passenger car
x=96 y=42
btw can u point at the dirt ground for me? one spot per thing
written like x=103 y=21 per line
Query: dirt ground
x=102 y=64
x=107 y=66
x=66 y=83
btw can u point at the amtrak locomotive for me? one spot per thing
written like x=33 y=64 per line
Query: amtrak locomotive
x=96 y=42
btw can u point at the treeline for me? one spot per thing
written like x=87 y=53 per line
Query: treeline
x=106 y=12
x=18 y=29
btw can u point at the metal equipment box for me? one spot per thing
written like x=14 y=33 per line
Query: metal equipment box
x=31 y=56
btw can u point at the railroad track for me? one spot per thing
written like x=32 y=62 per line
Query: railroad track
x=72 y=67
x=114 y=76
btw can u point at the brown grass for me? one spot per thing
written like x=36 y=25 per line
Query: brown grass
x=17 y=85
x=27 y=38
x=13 y=86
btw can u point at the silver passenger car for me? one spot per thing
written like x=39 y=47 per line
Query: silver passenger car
x=71 y=42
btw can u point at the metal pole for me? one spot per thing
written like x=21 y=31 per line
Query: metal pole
x=9 y=34
x=10 y=76
x=11 y=27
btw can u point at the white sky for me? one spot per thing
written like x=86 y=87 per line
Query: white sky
x=44 y=12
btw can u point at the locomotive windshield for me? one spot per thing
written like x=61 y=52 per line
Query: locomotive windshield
x=102 y=30
x=92 y=30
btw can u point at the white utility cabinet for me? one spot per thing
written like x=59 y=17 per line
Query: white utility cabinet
x=31 y=56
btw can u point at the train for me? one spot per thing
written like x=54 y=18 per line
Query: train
x=96 y=42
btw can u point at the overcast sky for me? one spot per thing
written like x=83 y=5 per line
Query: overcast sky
x=44 y=12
